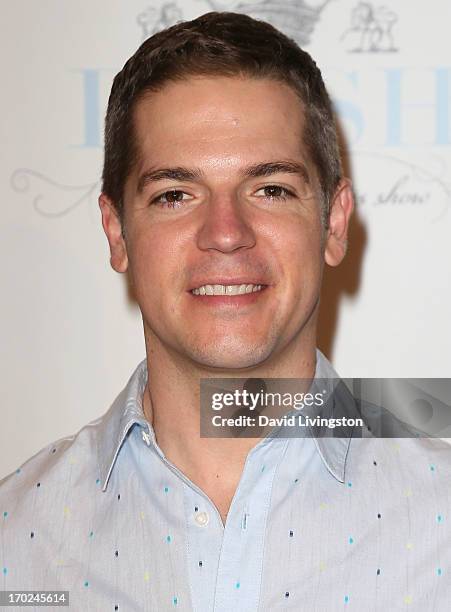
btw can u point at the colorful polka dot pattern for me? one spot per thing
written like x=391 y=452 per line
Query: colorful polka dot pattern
x=295 y=513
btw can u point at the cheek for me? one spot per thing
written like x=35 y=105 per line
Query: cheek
x=156 y=261
x=147 y=261
x=299 y=245
x=300 y=260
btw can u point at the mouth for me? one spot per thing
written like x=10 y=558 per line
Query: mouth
x=238 y=296
x=228 y=290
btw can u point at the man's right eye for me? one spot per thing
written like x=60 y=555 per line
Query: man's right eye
x=171 y=198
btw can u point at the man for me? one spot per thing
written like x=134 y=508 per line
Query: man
x=222 y=198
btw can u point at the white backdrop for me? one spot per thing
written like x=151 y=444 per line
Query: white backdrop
x=70 y=337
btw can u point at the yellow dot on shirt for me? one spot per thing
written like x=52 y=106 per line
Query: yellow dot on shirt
x=72 y=460
x=323 y=505
x=141 y=514
x=408 y=492
x=66 y=511
x=408 y=599
x=322 y=566
x=146 y=576
x=409 y=545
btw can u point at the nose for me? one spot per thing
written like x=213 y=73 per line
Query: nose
x=226 y=227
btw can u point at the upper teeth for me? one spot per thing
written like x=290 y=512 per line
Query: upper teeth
x=226 y=289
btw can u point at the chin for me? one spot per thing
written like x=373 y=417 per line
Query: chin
x=231 y=357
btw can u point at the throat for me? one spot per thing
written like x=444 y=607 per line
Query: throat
x=220 y=490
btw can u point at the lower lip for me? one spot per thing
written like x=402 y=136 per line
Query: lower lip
x=242 y=299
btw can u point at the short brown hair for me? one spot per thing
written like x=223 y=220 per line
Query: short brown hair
x=223 y=44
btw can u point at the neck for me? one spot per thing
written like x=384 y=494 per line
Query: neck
x=171 y=404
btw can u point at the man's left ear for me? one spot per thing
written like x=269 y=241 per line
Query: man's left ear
x=341 y=208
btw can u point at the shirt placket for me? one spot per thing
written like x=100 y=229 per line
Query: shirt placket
x=225 y=562
x=239 y=573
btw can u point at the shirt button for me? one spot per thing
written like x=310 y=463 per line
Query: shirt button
x=202 y=519
x=146 y=437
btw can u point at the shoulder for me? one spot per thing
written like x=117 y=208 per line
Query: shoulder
x=40 y=507
x=75 y=453
x=421 y=460
x=84 y=453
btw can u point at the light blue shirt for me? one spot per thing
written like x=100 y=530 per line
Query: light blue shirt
x=315 y=524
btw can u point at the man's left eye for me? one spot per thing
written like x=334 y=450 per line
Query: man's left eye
x=274 y=191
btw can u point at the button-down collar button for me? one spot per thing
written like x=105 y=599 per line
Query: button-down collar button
x=202 y=519
x=146 y=437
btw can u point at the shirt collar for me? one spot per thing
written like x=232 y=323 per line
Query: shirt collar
x=127 y=411
x=333 y=451
x=115 y=425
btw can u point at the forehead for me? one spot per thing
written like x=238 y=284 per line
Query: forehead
x=227 y=119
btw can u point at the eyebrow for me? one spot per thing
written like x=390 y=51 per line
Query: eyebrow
x=180 y=173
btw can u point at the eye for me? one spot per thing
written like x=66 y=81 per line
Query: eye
x=276 y=192
x=171 y=198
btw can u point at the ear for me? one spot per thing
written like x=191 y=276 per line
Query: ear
x=113 y=230
x=341 y=208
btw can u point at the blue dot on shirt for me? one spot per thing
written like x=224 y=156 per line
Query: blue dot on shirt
x=5 y=514
x=439 y=518
x=346 y=598
x=439 y=571
x=237 y=585
x=168 y=538
x=175 y=601
x=5 y=570
x=432 y=468
x=351 y=540
x=86 y=583
x=349 y=484
x=166 y=489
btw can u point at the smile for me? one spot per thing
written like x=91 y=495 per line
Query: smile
x=226 y=289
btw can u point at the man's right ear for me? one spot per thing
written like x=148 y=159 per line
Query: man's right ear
x=113 y=231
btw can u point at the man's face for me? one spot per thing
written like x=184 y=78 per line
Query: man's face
x=224 y=193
